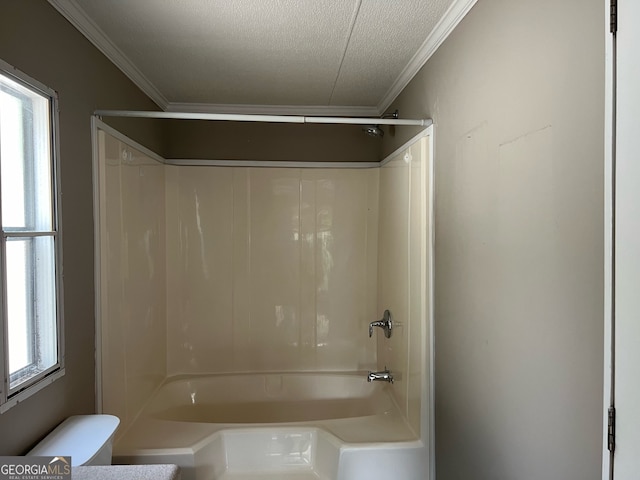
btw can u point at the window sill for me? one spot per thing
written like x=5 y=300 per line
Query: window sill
x=33 y=389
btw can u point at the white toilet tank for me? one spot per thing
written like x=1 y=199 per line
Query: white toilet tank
x=87 y=439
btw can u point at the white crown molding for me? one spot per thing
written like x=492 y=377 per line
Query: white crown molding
x=304 y=110
x=452 y=17
x=70 y=10
x=78 y=18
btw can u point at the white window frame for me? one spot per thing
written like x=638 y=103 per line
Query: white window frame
x=11 y=397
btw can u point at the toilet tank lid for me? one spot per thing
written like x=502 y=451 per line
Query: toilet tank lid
x=79 y=436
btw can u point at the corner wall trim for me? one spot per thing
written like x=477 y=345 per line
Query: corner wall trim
x=449 y=21
x=70 y=10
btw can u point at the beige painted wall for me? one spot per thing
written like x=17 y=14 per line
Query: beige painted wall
x=517 y=96
x=275 y=141
x=37 y=40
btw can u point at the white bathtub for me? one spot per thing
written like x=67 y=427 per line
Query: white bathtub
x=313 y=425
x=272 y=398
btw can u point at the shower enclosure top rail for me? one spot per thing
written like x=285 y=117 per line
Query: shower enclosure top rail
x=260 y=118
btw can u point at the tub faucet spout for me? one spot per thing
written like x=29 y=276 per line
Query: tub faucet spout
x=383 y=376
x=385 y=323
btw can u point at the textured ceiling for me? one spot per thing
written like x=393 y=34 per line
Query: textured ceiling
x=325 y=53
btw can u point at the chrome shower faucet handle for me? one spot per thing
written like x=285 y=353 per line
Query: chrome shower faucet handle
x=386 y=323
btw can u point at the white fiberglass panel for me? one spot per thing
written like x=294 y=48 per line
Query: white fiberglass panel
x=402 y=279
x=200 y=268
x=133 y=278
x=270 y=269
x=393 y=279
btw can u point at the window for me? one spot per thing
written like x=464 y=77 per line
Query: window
x=30 y=316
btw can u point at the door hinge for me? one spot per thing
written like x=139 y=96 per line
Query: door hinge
x=613 y=16
x=611 y=429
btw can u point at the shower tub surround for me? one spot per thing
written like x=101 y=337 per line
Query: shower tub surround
x=307 y=424
x=234 y=307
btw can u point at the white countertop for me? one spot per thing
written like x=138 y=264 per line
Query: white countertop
x=127 y=472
